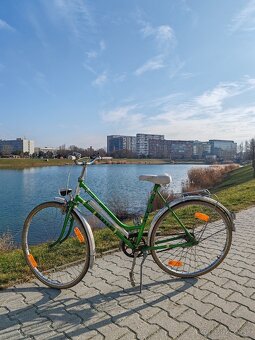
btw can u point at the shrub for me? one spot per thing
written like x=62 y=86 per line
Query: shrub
x=6 y=242
x=203 y=178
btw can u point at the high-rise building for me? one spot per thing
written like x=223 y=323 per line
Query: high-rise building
x=142 y=143
x=18 y=145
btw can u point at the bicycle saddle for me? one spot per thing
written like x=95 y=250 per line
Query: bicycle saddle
x=156 y=179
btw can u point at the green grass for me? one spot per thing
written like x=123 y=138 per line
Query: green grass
x=236 y=192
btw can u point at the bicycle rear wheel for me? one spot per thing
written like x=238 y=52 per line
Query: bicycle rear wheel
x=211 y=229
x=60 y=265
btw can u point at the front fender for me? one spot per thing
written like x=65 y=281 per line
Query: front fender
x=91 y=239
x=88 y=230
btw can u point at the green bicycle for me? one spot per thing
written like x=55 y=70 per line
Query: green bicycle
x=188 y=237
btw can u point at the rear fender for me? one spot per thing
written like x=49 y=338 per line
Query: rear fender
x=229 y=215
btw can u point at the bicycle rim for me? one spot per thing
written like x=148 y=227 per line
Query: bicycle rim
x=212 y=232
x=61 y=265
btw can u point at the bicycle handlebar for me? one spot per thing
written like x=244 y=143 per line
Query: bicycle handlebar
x=92 y=160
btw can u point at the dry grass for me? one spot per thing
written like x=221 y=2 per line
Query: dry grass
x=6 y=242
x=206 y=178
x=158 y=203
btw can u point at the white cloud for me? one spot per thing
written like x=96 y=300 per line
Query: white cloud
x=164 y=34
x=75 y=14
x=223 y=91
x=153 y=64
x=245 y=19
x=163 y=38
x=102 y=45
x=91 y=54
x=222 y=112
x=118 y=114
x=5 y=26
x=100 y=80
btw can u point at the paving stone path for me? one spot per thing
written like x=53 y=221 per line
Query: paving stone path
x=219 y=305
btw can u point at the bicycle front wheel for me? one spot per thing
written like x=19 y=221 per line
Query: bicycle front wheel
x=60 y=264
x=210 y=228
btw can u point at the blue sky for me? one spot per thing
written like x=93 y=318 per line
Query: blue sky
x=75 y=71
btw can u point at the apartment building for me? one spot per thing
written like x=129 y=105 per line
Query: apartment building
x=18 y=145
x=118 y=143
x=155 y=146
x=201 y=149
x=142 y=143
x=171 y=149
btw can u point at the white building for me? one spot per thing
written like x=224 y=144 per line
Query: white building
x=18 y=145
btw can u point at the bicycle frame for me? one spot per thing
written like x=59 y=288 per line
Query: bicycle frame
x=120 y=229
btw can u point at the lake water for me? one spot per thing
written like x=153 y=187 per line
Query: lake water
x=21 y=190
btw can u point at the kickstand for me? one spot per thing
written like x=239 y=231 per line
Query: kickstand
x=145 y=254
x=131 y=273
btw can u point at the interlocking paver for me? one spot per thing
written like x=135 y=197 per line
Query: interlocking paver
x=248 y=330
x=223 y=333
x=219 y=305
x=232 y=323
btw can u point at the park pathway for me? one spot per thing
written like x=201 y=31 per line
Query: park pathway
x=219 y=305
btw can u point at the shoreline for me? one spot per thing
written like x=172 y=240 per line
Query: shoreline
x=25 y=163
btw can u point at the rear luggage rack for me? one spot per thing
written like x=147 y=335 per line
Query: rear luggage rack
x=204 y=192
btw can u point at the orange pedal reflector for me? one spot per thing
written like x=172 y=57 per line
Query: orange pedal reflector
x=175 y=263
x=32 y=261
x=202 y=216
x=79 y=234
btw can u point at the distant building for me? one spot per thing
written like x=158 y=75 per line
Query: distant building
x=181 y=149
x=156 y=146
x=142 y=143
x=201 y=149
x=46 y=150
x=170 y=149
x=21 y=145
x=224 y=150
x=119 y=143
x=159 y=148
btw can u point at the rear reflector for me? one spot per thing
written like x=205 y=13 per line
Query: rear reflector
x=175 y=263
x=202 y=216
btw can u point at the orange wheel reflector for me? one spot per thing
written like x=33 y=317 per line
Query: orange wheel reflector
x=32 y=261
x=79 y=234
x=202 y=216
x=175 y=263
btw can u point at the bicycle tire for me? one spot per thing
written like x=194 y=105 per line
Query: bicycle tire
x=211 y=228
x=62 y=265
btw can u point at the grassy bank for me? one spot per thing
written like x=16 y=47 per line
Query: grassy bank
x=236 y=192
x=22 y=163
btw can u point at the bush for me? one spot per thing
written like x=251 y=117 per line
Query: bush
x=6 y=242
x=205 y=178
